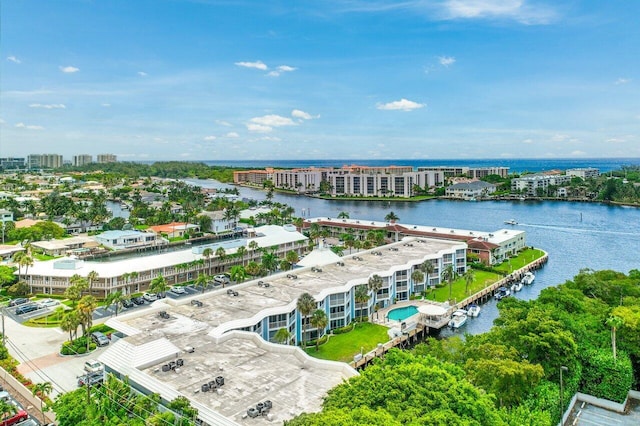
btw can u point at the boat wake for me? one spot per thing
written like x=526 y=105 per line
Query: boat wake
x=573 y=229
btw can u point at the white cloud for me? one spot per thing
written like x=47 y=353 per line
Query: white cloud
x=257 y=65
x=445 y=61
x=296 y=113
x=232 y=135
x=69 y=69
x=48 y=106
x=28 y=126
x=273 y=120
x=259 y=128
x=402 y=104
x=559 y=138
x=279 y=70
x=623 y=80
x=224 y=123
x=106 y=105
x=578 y=153
x=210 y=138
x=14 y=59
x=527 y=141
x=142 y=74
x=519 y=10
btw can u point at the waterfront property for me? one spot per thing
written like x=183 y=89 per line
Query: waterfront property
x=470 y=190
x=118 y=240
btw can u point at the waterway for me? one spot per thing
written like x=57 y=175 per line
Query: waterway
x=576 y=235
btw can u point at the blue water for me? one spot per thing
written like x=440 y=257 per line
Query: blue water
x=515 y=165
x=403 y=313
x=576 y=235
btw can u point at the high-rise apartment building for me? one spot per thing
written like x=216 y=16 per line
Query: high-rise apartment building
x=82 y=160
x=12 y=163
x=107 y=158
x=44 y=161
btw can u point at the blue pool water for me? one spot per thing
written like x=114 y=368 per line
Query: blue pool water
x=401 y=314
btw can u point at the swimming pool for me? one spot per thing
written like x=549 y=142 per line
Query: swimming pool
x=403 y=313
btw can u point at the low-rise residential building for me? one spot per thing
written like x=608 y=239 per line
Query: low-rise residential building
x=252 y=177
x=470 y=190
x=537 y=184
x=175 y=229
x=584 y=172
x=118 y=240
x=219 y=223
x=470 y=172
x=64 y=247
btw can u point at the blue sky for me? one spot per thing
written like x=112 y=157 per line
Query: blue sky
x=235 y=80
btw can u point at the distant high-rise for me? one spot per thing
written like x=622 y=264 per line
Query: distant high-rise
x=82 y=160
x=44 y=161
x=12 y=163
x=107 y=158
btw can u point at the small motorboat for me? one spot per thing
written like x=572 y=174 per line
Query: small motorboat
x=528 y=278
x=502 y=293
x=511 y=222
x=474 y=310
x=517 y=286
x=458 y=319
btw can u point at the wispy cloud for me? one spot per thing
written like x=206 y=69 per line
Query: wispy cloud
x=266 y=123
x=210 y=138
x=296 y=113
x=523 y=11
x=445 y=61
x=28 y=126
x=232 y=135
x=48 y=106
x=14 y=59
x=402 y=104
x=257 y=65
x=142 y=74
x=224 y=123
x=69 y=69
x=623 y=81
x=281 y=69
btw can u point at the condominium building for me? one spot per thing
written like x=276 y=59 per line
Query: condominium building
x=252 y=177
x=470 y=190
x=12 y=163
x=537 y=184
x=471 y=172
x=106 y=158
x=584 y=172
x=82 y=160
x=44 y=161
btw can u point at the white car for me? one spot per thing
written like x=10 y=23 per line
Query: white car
x=150 y=297
x=93 y=366
x=48 y=303
x=177 y=289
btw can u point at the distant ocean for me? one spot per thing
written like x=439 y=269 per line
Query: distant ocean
x=515 y=165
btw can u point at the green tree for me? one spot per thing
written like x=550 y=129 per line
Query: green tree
x=449 y=275
x=391 y=217
x=269 y=260
x=70 y=322
x=319 y=321
x=158 y=285
x=86 y=306
x=7 y=276
x=241 y=252
x=42 y=391
x=417 y=276
x=469 y=276
x=116 y=298
x=202 y=281
x=615 y=323
x=361 y=296
x=208 y=254
x=305 y=305
x=292 y=257
x=374 y=284
x=282 y=336
x=238 y=273
x=343 y=215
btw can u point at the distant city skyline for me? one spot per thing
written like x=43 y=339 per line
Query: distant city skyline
x=202 y=80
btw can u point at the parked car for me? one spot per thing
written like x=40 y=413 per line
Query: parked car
x=222 y=279
x=91 y=379
x=47 y=303
x=150 y=297
x=93 y=366
x=177 y=289
x=138 y=300
x=13 y=419
x=161 y=295
x=18 y=301
x=128 y=303
x=25 y=309
x=99 y=338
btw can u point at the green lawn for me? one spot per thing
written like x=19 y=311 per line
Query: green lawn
x=342 y=347
x=524 y=258
x=482 y=279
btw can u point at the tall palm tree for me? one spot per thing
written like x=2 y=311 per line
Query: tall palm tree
x=70 y=322
x=74 y=291
x=449 y=274
x=343 y=215
x=7 y=409
x=207 y=254
x=238 y=273
x=614 y=322
x=282 y=336
x=361 y=296
x=305 y=305
x=158 y=285
x=91 y=277
x=374 y=284
x=269 y=261
x=319 y=321
x=201 y=281
x=115 y=298
x=417 y=276
x=428 y=268
x=42 y=391
x=253 y=246
x=292 y=257
x=221 y=254
x=469 y=276
x=241 y=252
x=86 y=306
x=391 y=217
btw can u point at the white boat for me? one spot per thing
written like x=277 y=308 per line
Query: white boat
x=502 y=293
x=458 y=319
x=473 y=311
x=528 y=278
x=517 y=286
x=511 y=222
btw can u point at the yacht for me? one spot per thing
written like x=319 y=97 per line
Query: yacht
x=474 y=310
x=458 y=319
x=511 y=222
x=502 y=293
x=528 y=278
x=517 y=286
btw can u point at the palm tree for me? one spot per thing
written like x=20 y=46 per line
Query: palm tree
x=269 y=261
x=86 y=306
x=319 y=321
x=614 y=322
x=343 y=215
x=417 y=276
x=91 y=277
x=221 y=254
x=282 y=336
x=201 y=281
x=74 y=291
x=360 y=296
x=253 y=246
x=241 y=251
x=42 y=391
x=207 y=254
x=428 y=268
x=449 y=274
x=305 y=305
x=158 y=285
x=7 y=409
x=469 y=276
x=238 y=273
x=70 y=322
x=292 y=257
x=391 y=217
x=374 y=284
x=115 y=298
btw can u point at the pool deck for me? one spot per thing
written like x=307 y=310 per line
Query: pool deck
x=437 y=322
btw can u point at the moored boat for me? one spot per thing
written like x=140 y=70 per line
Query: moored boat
x=502 y=293
x=474 y=310
x=528 y=278
x=458 y=319
x=517 y=286
x=511 y=222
